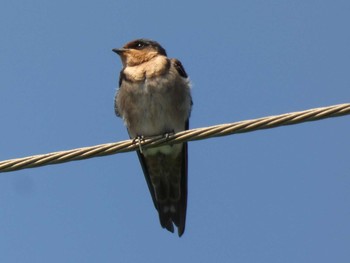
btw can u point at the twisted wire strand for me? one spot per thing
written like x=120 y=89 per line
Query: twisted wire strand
x=189 y=135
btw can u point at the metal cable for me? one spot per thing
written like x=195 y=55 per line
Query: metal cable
x=189 y=135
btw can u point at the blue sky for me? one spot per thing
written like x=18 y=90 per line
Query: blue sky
x=279 y=195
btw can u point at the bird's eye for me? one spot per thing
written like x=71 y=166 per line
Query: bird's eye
x=139 y=45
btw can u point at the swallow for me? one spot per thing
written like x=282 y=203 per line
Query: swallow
x=154 y=98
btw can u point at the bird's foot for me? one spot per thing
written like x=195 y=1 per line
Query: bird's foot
x=168 y=134
x=138 y=140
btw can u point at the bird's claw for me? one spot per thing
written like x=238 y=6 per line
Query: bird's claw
x=138 y=140
x=168 y=134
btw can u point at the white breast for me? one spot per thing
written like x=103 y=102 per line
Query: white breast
x=154 y=105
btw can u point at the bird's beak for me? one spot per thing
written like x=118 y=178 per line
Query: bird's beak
x=119 y=51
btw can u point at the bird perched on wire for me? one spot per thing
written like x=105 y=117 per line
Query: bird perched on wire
x=154 y=98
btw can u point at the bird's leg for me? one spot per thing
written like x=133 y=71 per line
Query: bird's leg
x=138 y=140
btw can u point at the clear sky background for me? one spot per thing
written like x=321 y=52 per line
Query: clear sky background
x=279 y=195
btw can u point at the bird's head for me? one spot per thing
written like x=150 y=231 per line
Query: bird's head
x=139 y=51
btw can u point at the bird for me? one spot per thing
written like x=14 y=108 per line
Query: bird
x=154 y=98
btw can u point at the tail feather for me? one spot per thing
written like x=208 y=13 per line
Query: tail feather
x=170 y=214
x=166 y=177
